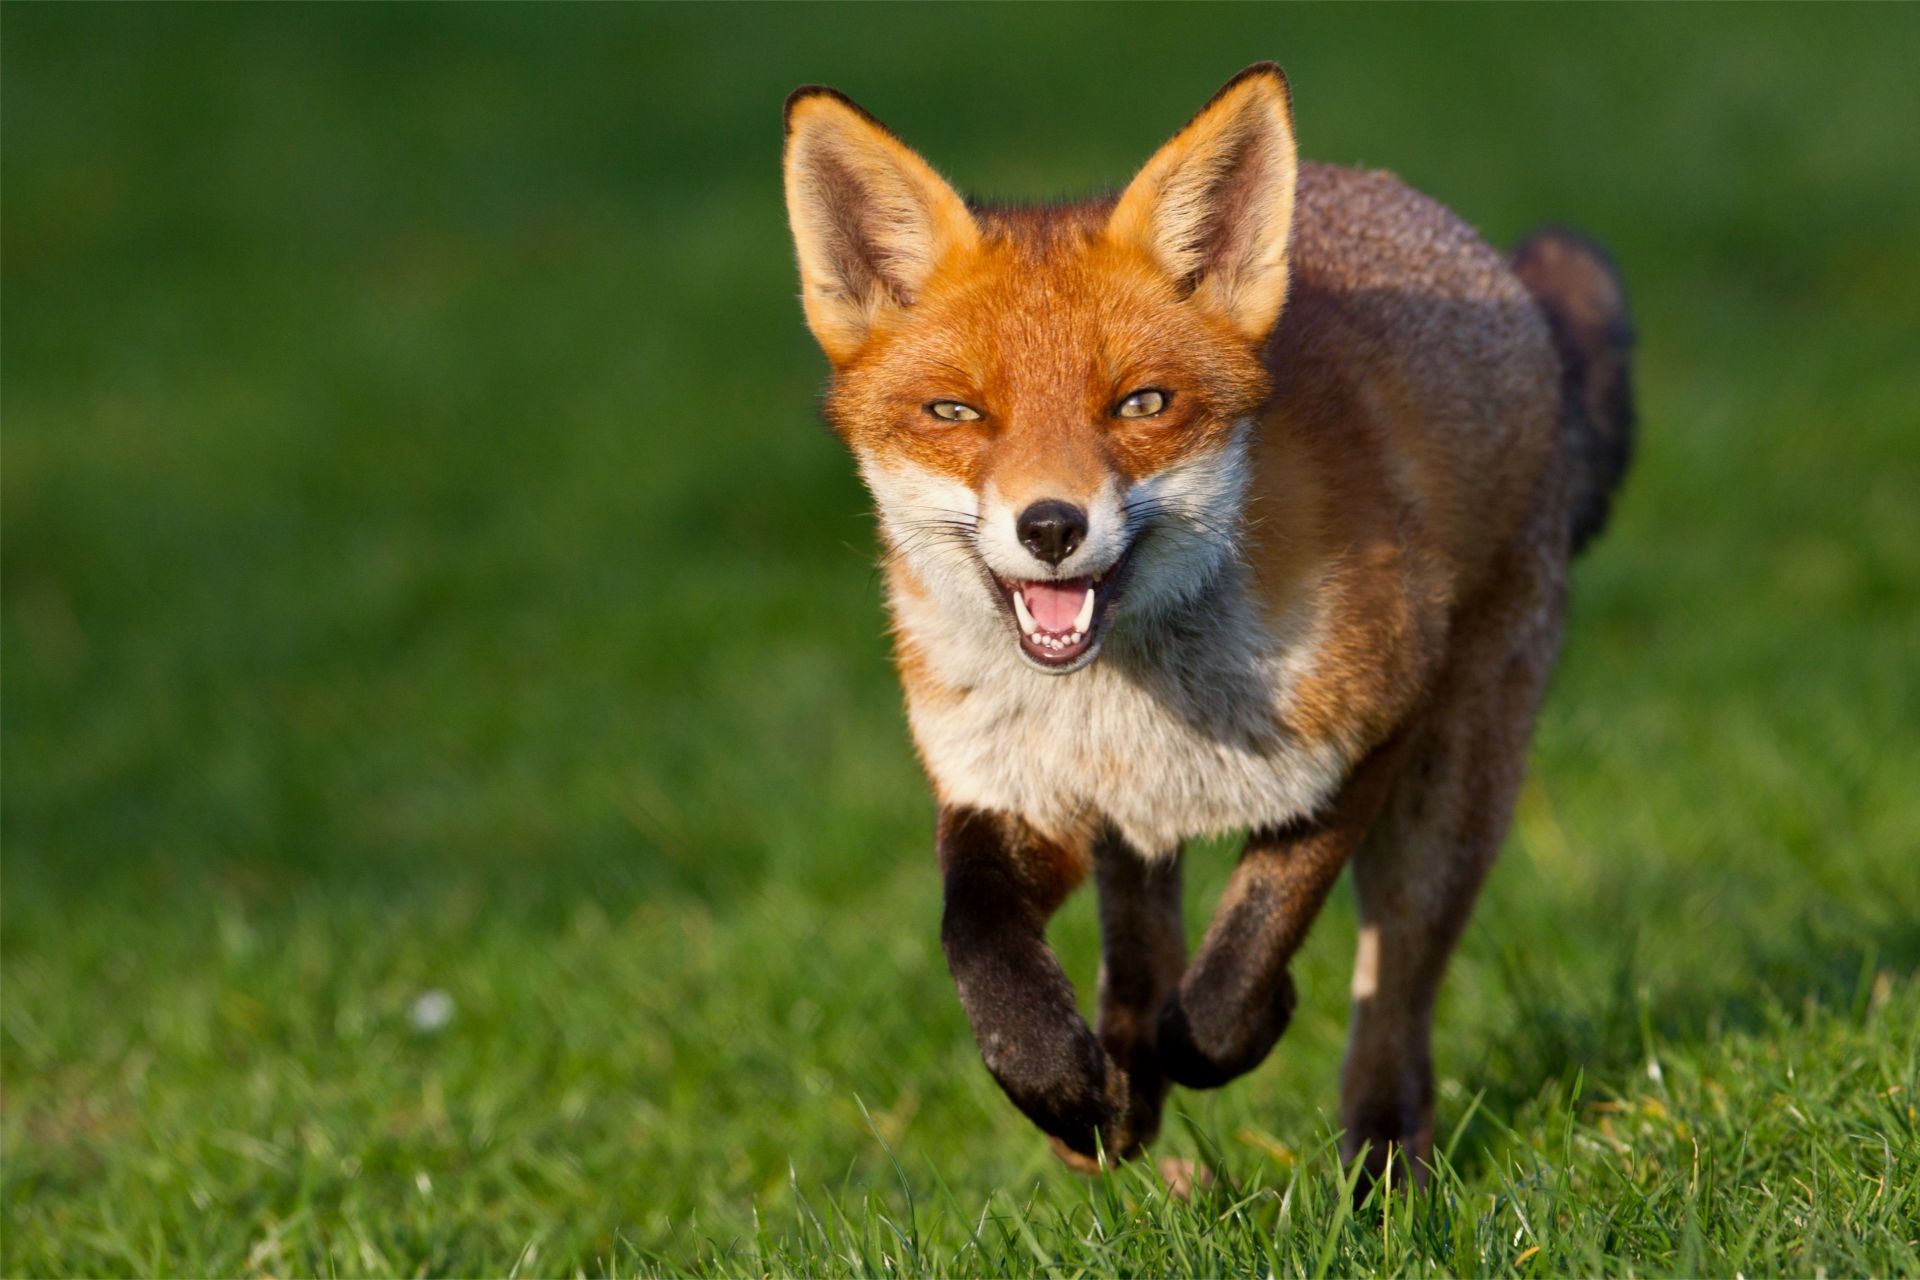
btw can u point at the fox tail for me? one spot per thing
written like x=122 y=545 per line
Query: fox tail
x=1579 y=290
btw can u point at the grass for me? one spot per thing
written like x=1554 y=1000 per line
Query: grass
x=423 y=572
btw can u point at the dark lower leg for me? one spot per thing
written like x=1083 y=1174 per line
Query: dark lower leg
x=1143 y=948
x=1416 y=887
x=1386 y=1090
x=1002 y=883
x=1237 y=997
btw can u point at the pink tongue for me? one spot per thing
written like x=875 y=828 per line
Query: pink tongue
x=1054 y=605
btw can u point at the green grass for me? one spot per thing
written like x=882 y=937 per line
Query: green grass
x=423 y=570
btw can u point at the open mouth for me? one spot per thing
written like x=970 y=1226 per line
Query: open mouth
x=1060 y=620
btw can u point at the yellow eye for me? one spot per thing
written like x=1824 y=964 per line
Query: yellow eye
x=1142 y=404
x=953 y=411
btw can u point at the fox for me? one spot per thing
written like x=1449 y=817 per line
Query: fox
x=1239 y=501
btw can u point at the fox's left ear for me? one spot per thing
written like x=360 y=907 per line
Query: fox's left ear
x=871 y=220
x=1214 y=206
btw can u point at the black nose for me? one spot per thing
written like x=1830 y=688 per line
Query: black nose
x=1052 y=529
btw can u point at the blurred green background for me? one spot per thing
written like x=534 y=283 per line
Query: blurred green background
x=424 y=571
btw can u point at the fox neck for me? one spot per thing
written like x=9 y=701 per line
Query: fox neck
x=1179 y=728
x=1187 y=721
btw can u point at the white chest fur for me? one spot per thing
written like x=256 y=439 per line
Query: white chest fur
x=1175 y=732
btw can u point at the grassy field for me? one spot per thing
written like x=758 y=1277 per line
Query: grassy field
x=428 y=591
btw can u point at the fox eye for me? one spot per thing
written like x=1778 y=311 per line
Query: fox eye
x=953 y=411
x=1144 y=403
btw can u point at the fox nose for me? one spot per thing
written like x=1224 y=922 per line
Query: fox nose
x=1052 y=529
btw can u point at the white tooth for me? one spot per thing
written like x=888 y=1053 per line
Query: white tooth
x=1074 y=638
x=1036 y=638
x=1027 y=624
x=1085 y=619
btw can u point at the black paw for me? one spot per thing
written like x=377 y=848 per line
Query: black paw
x=1061 y=1078
x=1394 y=1144
x=1203 y=1043
x=1146 y=1091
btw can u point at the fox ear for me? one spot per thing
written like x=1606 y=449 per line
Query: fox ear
x=1214 y=206
x=871 y=219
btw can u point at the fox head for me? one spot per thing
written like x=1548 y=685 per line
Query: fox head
x=1050 y=405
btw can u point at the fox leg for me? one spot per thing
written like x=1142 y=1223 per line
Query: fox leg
x=1002 y=882
x=1143 y=947
x=1416 y=879
x=1237 y=997
x=1407 y=932
x=1422 y=865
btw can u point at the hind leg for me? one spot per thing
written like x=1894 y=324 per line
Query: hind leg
x=1421 y=866
x=1415 y=894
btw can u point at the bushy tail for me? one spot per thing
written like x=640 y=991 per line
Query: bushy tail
x=1579 y=289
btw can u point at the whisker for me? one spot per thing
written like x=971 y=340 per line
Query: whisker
x=1144 y=515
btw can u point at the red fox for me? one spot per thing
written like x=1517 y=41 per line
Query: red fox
x=1240 y=501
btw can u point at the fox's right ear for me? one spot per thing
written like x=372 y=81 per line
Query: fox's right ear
x=871 y=219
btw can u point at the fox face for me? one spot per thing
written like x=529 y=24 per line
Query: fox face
x=1050 y=406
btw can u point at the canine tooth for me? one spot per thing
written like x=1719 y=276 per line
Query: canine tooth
x=1020 y=611
x=1085 y=619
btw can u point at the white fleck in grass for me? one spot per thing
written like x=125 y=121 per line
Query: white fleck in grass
x=430 y=1012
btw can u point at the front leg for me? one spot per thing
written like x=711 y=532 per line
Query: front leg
x=1237 y=997
x=1003 y=882
x=1143 y=947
